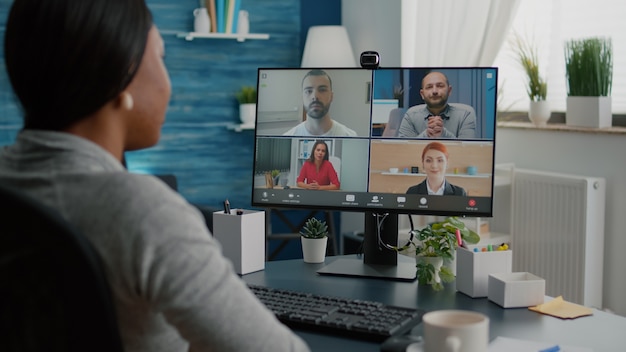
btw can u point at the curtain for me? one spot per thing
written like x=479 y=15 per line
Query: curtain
x=454 y=32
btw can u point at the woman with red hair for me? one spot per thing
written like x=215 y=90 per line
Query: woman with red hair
x=435 y=164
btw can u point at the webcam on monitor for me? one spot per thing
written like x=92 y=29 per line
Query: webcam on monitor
x=370 y=59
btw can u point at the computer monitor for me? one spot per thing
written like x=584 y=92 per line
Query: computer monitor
x=433 y=154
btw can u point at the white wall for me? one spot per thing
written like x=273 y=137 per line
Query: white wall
x=585 y=154
x=375 y=25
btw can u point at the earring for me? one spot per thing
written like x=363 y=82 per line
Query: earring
x=127 y=101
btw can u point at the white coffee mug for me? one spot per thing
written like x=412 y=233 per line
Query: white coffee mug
x=455 y=331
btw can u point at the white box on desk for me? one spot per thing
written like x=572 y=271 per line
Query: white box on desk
x=242 y=238
x=473 y=269
x=514 y=290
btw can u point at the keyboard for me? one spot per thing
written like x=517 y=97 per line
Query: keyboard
x=352 y=318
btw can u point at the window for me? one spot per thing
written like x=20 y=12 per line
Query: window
x=550 y=24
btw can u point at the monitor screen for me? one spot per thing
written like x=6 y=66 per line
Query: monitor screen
x=379 y=151
x=383 y=141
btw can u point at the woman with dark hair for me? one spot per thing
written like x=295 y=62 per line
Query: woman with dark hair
x=435 y=164
x=317 y=172
x=90 y=77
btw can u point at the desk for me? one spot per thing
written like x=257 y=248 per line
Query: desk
x=602 y=331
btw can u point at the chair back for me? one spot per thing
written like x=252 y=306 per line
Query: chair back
x=393 y=125
x=336 y=162
x=54 y=295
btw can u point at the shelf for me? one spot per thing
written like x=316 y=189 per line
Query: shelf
x=239 y=37
x=447 y=175
x=240 y=127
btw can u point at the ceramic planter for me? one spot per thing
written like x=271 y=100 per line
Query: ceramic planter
x=539 y=112
x=247 y=114
x=436 y=262
x=314 y=249
x=593 y=112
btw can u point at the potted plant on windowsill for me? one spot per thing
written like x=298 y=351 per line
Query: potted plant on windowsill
x=246 y=97
x=275 y=176
x=314 y=238
x=589 y=72
x=434 y=245
x=537 y=87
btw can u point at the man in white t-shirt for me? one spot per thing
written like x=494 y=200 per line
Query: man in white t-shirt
x=317 y=95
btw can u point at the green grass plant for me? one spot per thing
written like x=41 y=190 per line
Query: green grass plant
x=589 y=66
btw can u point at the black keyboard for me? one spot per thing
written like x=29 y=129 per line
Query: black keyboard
x=351 y=318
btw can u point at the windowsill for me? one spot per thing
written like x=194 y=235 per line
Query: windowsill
x=561 y=127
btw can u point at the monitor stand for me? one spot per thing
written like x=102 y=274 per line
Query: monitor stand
x=378 y=262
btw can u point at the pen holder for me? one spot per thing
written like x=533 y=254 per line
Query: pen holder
x=242 y=237
x=473 y=269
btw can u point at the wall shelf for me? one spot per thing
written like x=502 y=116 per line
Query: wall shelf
x=240 y=127
x=189 y=36
x=423 y=175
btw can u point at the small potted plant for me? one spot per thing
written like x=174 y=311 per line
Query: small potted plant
x=537 y=88
x=275 y=176
x=314 y=237
x=435 y=245
x=589 y=73
x=246 y=97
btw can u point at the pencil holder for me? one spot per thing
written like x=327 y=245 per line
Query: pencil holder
x=473 y=269
x=242 y=237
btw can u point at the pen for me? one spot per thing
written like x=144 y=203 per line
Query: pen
x=226 y=207
x=458 y=238
x=551 y=349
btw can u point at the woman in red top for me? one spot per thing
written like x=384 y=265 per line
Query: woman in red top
x=317 y=172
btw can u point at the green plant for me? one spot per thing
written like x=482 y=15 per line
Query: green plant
x=314 y=228
x=438 y=239
x=537 y=88
x=275 y=173
x=246 y=95
x=589 y=66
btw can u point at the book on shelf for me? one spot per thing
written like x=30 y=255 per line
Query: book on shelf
x=223 y=15
x=220 y=15
x=210 y=5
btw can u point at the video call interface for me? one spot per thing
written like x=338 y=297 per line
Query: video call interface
x=402 y=140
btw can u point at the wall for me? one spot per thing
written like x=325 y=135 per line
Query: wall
x=586 y=154
x=211 y=162
x=374 y=25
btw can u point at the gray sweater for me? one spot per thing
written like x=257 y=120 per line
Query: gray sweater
x=172 y=287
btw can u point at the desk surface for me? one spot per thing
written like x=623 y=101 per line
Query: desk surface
x=601 y=332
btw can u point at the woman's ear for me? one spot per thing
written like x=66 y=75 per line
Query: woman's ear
x=126 y=101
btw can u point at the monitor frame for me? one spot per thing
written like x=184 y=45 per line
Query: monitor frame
x=363 y=200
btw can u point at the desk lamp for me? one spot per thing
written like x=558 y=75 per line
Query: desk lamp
x=328 y=46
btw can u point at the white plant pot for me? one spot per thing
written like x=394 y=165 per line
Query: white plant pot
x=314 y=249
x=436 y=262
x=593 y=112
x=539 y=112
x=247 y=114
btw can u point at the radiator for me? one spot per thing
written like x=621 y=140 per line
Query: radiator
x=557 y=232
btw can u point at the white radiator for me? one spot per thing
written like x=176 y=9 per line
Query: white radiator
x=557 y=232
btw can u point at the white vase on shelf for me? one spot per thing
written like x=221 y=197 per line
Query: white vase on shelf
x=201 y=22
x=243 y=22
